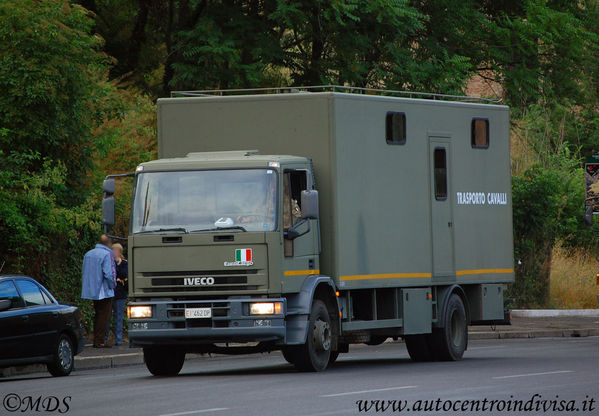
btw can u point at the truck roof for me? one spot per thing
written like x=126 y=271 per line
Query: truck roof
x=236 y=158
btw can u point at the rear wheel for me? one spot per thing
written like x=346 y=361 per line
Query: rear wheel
x=64 y=357
x=162 y=361
x=449 y=342
x=315 y=354
x=418 y=347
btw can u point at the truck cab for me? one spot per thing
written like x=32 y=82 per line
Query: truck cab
x=212 y=235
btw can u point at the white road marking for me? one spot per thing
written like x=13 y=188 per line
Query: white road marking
x=194 y=412
x=368 y=391
x=534 y=374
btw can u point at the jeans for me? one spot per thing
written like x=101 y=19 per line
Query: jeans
x=118 y=309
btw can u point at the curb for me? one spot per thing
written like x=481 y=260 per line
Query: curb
x=553 y=313
x=109 y=361
x=541 y=333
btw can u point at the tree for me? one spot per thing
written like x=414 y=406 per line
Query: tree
x=543 y=50
x=54 y=94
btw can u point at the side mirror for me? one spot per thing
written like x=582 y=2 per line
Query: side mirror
x=108 y=211
x=309 y=201
x=108 y=187
x=298 y=229
x=588 y=215
x=5 y=304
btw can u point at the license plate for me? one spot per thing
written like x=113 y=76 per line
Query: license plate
x=194 y=313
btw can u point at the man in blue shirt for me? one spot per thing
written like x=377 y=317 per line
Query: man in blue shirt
x=99 y=281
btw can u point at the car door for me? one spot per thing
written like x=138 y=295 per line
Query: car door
x=42 y=319
x=14 y=331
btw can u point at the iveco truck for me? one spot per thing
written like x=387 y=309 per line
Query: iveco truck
x=308 y=220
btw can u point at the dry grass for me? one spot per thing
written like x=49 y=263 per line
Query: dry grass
x=572 y=282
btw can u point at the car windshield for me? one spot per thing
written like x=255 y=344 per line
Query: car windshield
x=195 y=201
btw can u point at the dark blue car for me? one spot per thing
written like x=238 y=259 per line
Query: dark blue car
x=35 y=328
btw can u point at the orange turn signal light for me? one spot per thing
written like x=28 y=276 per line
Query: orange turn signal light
x=337 y=293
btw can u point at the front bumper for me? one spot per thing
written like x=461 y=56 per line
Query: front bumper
x=230 y=322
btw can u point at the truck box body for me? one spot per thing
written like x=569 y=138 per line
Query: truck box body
x=382 y=224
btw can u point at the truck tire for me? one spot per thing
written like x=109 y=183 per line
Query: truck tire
x=289 y=354
x=333 y=357
x=418 y=347
x=63 y=359
x=314 y=355
x=450 y=342
x=162 y=361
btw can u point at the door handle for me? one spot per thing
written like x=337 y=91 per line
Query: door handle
x=55 y=314
x=25 y=317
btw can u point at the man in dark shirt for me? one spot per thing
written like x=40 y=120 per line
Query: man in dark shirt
x=120 y=294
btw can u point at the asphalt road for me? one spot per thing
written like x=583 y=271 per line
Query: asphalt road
x=495 y=370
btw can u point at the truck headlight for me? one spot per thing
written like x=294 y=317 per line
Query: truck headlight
x=266 y=308
x=136 y=312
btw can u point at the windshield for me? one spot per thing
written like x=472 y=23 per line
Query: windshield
x=205 y=200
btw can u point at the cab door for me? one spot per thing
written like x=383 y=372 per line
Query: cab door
x=441 y=210
x=301 y=253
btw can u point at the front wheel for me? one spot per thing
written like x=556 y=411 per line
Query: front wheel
x=315 y=354
x=163 y=361
x=289 y=354
x=64 y=357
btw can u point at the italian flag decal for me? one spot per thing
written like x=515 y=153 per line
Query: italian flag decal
x=243 y=255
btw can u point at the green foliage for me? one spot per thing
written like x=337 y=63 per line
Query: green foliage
x=51 y=71
x=229 y=46
x=543 y=51
x=547 y=201
x=348 y=42
x=55 y=95
x=549 y=197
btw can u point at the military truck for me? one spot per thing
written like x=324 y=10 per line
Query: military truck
x=309 y=220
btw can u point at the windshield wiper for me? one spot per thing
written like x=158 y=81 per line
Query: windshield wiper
x=162 y=230
x=233 y=227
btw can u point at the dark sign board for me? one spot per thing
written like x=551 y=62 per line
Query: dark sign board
x=591 y=175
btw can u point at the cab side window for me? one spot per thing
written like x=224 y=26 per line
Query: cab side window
x=294 y=182
x=9 y=291
x=31 y=293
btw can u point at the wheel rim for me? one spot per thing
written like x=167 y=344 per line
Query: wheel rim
x=456 y=328
x=65 y=354
x=322 y=335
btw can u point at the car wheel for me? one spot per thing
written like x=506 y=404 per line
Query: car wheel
x=163 y=361
x=63 y=360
